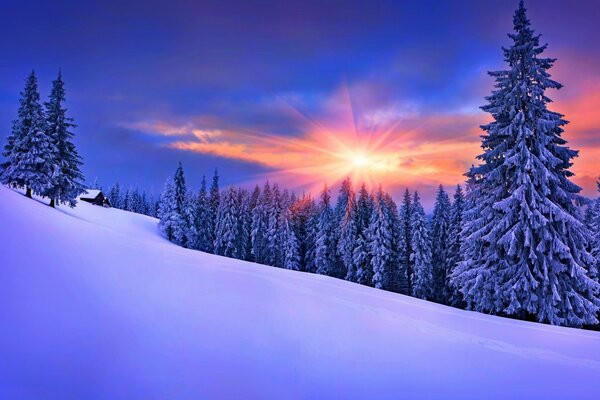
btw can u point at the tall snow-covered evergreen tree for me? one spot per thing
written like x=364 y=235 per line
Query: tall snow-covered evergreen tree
x=361 y=254
x=290 y=253
x=440 y=237
x=324 y=245
x=226 y=232
x=273 y=212
x=346 y=234
x=68 y=179
x=379 y=236
x=204 y=220
x=406 y=265
x=422 y=286
x=169 y=216
x=215 y=198
x=530 y=257
x=31 y=155
x=114 y=195
x=594 y=230
x=244 y=225
x=259 y=227
x=455 y=243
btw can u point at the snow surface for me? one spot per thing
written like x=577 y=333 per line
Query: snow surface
x=95 y=304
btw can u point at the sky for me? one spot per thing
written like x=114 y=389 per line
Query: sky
x=298 y=92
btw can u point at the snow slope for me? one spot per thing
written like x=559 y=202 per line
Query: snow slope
x=94 y=304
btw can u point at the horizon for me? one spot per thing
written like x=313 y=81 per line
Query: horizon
x=298 y=93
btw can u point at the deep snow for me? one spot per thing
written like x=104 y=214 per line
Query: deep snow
x=95 y=304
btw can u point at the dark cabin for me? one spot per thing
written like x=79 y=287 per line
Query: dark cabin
x=96 y=197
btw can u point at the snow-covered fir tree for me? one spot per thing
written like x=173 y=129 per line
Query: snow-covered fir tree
x=114 y=196
x=593 y=225
x=396 y=274
x=169 y=216
x=273 y=250
x=440 y=236
x=346 y=233
x=405 y=228
x=379 y=236
x=215 y=198
x=455 y=243
x=31 y=155
x=324 y=245
x=259 y=227
x=226 y=231
x=291 y=254
x=529 y=255
x=67 y=182
x=181 y=204
x=361 y=254
x=204 y=220
x=244 y=225
x=422 y=285
x=190 y=234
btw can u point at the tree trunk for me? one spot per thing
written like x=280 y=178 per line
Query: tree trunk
x=51 y=203
x=28 y=192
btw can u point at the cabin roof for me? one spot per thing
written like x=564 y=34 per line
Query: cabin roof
x=90 y=194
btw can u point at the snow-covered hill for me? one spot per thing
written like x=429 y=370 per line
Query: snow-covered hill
x=94 y=304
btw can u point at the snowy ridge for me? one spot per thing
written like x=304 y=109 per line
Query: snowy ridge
x=95 y=304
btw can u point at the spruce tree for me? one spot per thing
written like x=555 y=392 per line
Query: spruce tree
x=529 y=256
x=324 y=246
x=31 y=156
x=420 y=257
x=169 y=217
x=291 y=255
x=67 y=182
x=260 y=223
x=406 y=265
x=226 y=231
x=273 y=249
x=214 y=198
x=440 y=237
x=361 y=254
x=455 y=243
x=346 y=229
x=114 y=195
x=204 y=220
x=379 y=236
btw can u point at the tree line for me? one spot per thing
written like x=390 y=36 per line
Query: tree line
x=517 y=243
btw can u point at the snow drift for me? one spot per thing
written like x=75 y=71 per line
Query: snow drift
x=95 y=304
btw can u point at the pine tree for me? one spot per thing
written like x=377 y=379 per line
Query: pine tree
x=214 y=198
x=346 y=229
x=114 y=196
x=169 y=217
x=396 y=274
x=594 y=230
x=324 y=246
x=379 y=236
x=291 y=255
x=455 y=243
x=31 y=156
x=528 y=255
x=226 y=232
x=406 y=265
x=67 y=182
x=204 y=220
x=273 y=212
x=440 y=232
x=244 y=225
x=260 y=223
x=361 y=254
x=181 y=197
x=421 y=255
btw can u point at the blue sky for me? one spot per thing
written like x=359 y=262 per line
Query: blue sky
x=139 y=73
